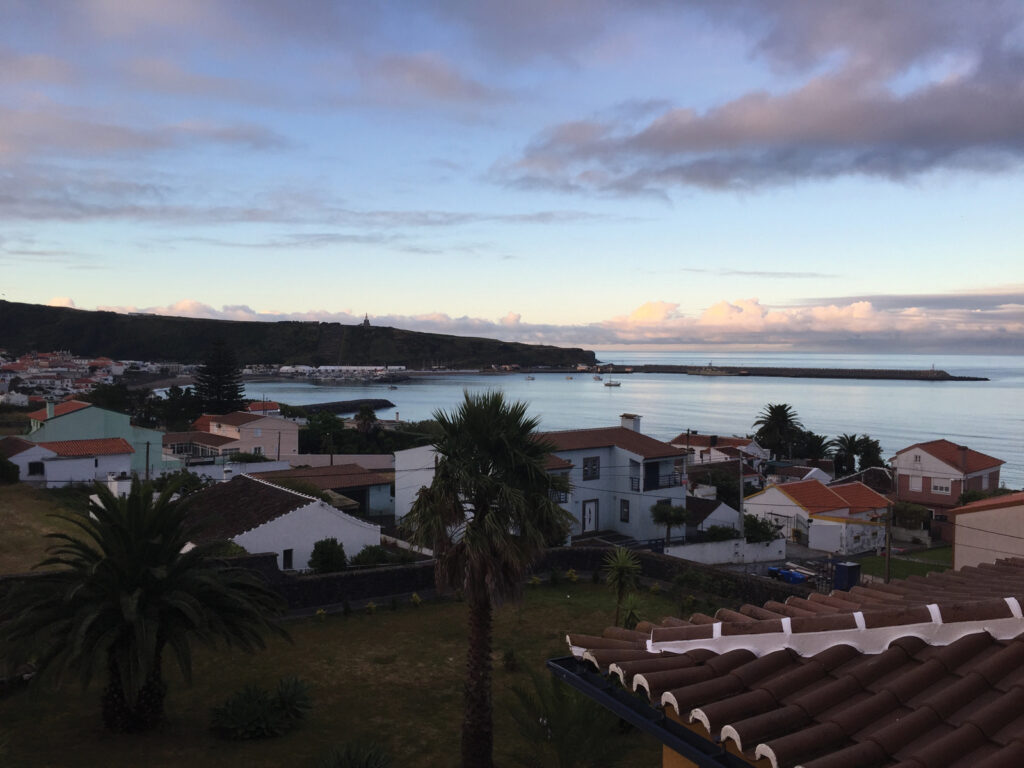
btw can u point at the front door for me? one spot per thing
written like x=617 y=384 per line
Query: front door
x=590 y=515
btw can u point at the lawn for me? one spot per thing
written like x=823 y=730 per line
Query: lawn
x=26 y=516
x=395 y=676
x=917 y=563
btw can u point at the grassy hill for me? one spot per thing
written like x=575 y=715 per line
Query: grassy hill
x=25 y=327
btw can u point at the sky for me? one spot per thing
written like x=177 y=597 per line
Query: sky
x=743 y=174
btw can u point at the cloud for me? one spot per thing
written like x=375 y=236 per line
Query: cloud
x=889 y=91
x=61 y=301
x=31 y=68
x=425 y=76
x=741 y=323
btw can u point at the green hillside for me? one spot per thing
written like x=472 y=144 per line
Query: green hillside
x=25 y=327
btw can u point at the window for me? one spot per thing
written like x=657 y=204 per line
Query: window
x=35 y=468
x=559 y=497
x=624 y=511
x=917 y=458
x=984 y=482
x=592 y=468
x=286 y=559
x=915 y=483
x=940 y=485
x=258 y=450
x=258 y=432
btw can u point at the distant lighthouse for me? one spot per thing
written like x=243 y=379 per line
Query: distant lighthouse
x=366 y=321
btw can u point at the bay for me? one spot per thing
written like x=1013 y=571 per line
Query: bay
x=987 y=416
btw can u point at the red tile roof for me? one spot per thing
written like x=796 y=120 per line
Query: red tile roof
x=12 y=446
x=101 y=446
x=331 y=477
x=203 y=438
x=995 y=502
x=603 y=437
x=954 y=455
x=926 y=672
x=812 y=495
x=237 y=419
x=263 y=405
x=555 y=463
x=202 y=424
x=59 y=409
x=859 y=497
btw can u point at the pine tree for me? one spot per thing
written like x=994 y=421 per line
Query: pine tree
x=218 y=382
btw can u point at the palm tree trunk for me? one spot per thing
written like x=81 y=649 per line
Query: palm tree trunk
x=478 y=722
x=119 y=715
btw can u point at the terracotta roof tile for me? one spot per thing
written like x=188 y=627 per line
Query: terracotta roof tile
x=859 y=497
x=331 y=477
x=59 y=409
x=621 y=437
x=954 y=700
x=12 y=446
x=102 y=446
x=995 y=502
x=956 y=455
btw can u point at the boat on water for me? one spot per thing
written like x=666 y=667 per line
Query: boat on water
x=530 y=378
x=568 y=378
x=613 y=383
x=597 y=377
x=711 y=370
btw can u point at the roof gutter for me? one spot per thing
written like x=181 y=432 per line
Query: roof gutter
x=702 y=752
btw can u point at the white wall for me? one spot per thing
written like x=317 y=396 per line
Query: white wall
x=845 y=538
x=301 y=529
x=414 y=469
x=988 y=535
x=234 y=469
x=61 y=473
x=731 y=551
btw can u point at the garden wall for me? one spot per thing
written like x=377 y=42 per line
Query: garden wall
x=730 y=551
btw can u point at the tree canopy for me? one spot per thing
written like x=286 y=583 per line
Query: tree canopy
x=218 y=381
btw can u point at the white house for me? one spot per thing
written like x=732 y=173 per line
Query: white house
x=843 y=519
x=414 y=469
x=61 y=463
x=705 y=449
x=263 y=517
x=988 y=530
x=617 y=474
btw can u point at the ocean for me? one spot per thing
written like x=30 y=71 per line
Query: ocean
x=987 y=416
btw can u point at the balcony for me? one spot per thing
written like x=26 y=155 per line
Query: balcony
x=654 y=482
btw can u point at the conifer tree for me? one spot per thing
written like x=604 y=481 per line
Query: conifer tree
x=218 y=382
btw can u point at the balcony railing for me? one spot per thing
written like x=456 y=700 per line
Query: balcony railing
x=670 y=480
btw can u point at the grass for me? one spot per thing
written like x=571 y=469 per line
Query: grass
x=919 y=563
x=394 y=676
x=25 y=518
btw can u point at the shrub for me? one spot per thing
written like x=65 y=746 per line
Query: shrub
x=328 y=556
x=366 y=754
x=721 y=533
x=373 y=554
x=758 y=529
x=416 y=600
x=370 y=608
x=8 y=471
x=226 y=548
x=255 y=713
x=572 y=576
x=535 y=581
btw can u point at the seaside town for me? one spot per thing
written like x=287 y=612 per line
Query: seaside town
x=511 y=384
x=821 y=524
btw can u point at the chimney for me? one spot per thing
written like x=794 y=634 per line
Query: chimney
x=49 y=409
x=963 y=457
x=712 y=440
x=630 y=421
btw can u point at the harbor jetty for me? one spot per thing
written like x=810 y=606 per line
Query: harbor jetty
x=885 y=374
x=347 y=406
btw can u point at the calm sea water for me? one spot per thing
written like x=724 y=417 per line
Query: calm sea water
x=987 y=416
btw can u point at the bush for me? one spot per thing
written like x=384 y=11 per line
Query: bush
x=757 y=529
x=374 y=554
x=572 y=576
x=721 y=533
x=367 y=754
x=328 y=556
x=225 y=548
x=416 y=600
x=8 y=471
x=256 y=713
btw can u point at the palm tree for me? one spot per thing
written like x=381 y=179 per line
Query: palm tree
x=669 y=516
x=487 y=515
x=366 y=420
x=846 y=448
x=870 y=453
x=123 y=590
x=778 y=426
x=814 y=446
x=621 y=568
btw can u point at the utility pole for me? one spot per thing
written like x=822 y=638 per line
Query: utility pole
x=743 y=526
x=147 y=460
x=888 y=542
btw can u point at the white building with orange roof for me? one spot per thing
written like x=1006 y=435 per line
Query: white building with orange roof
x=844 y=519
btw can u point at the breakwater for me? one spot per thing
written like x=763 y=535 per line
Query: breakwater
x=880 y=374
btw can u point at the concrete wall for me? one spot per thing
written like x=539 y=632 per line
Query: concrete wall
x=731 y=551
x=301 y=529
x=414 y=469
x=988 y=535
x=61 y=473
